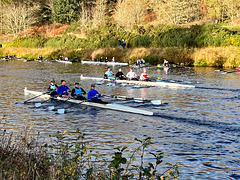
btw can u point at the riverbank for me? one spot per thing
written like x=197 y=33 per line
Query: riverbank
x=207 y=57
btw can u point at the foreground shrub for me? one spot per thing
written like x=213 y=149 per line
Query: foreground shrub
x=22 y=159
x=68 y=157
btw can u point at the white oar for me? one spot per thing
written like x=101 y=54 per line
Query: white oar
x=32 y=98
x=140 y=100
x=154 y=102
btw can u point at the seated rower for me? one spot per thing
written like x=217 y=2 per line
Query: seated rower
x=52 y=88
x=63 y=90
x=78 y=92
x=144 y=76
x=120 y=74
x=40 y=57
x=93 y=95
x=108 y=74
x=166 y=63
x=132 y=75
x=138 y=62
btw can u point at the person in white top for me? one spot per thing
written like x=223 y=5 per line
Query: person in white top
x=113 y=59
x=131 y=75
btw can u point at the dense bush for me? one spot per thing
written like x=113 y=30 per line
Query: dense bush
x=154 y=59
x=107 y=34
x=36 y=41
x=142 y=41
x=64 y=41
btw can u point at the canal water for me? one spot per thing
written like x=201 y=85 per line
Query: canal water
x=197 y=127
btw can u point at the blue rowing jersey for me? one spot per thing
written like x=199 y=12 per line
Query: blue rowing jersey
x=61 y=89
x=78 y=91
x=52 y=87
x=109 y=73
x=91 y=94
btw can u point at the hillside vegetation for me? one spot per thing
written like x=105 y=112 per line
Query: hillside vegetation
x=191 y=32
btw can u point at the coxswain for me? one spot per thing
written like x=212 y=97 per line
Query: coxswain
x=93 y=95
x=108 y=73
x=63 y=90
x=78 y=92
x=131 y=75
x=120 y=74
x=52 y=88
x=144 y=76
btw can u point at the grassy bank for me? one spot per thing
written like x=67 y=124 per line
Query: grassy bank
x=211 y=56
x=70 y=157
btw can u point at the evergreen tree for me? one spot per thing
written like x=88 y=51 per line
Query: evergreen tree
x=66 y=11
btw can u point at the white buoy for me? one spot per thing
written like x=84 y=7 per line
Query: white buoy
x=38 y=104
x=50 y=108
x=61 y=111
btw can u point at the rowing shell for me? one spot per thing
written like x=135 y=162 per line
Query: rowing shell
x=111 y=106
x=105 y=63
x=66 y=62
x=143 y=83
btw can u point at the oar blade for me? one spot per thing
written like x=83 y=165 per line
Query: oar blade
x=38 y=104
x=156 y=102
x=61 y=111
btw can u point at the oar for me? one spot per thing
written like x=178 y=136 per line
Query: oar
x=33 y=98
x=140 y=100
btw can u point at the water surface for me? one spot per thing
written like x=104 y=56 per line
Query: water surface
x=198 y=127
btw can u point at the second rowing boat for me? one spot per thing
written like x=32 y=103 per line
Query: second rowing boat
x=143 y=83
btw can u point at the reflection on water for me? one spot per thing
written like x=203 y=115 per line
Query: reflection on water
x=198 y=127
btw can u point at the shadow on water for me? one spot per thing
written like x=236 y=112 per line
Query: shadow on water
x=219 y=89
x=200 y=122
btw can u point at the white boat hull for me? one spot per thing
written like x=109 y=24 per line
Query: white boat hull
x=110 y=106
x=66 y=62
x=141 y=83
x=105 y=63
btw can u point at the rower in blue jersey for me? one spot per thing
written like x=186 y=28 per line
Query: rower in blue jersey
x=63 y=90
x=78 y=92
x=108 y=74
x=93 y=95
x=52 y=88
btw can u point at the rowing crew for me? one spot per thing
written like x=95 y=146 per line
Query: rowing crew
x=131 y=75
x=76 y=93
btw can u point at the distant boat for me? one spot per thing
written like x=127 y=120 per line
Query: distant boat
x=105 y=63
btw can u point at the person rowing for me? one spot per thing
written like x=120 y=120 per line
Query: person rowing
x=131 y=75
x=77 y=92
x=120 y=74
x=63 y=90
x=166 y=63
x=144 y=76
x=52 y=88
x=93 y=95
x=108 y=74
